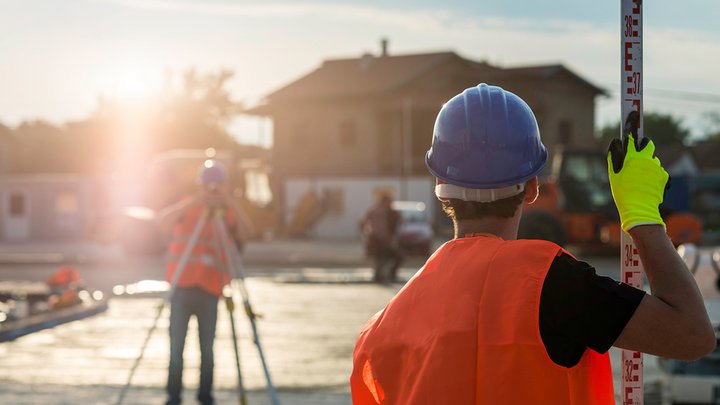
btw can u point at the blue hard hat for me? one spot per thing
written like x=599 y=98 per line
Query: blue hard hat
x=486 y=137
x=212 y=172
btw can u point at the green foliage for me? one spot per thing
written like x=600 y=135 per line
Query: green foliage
x=664 y=129
x=712 y=125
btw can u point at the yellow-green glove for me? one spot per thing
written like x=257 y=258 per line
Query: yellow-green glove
x=637 y=180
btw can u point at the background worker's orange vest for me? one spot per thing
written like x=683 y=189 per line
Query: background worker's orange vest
x=202 y=267
x=465 y=330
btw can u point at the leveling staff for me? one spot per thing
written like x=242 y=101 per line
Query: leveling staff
x=494 y=320
x=201 y=283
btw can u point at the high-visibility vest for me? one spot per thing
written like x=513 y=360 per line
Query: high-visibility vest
x=465 y=330
x=202 y=268
x=64 y=276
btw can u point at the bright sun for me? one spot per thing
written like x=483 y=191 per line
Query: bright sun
x=133 y=82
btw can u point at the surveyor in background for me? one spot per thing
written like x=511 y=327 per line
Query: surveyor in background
x=201 y=283
x=379 y=226
x=494 y=320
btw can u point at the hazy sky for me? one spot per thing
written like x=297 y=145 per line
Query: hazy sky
x=56 y=56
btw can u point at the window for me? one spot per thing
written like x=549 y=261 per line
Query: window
x=66 y=202
x=17 y=205
x=584 y=182
x=257 y=187
x=348 y=133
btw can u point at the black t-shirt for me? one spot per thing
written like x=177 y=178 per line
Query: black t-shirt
x=580 y=310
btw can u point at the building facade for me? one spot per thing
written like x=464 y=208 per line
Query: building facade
x=373 y=116
x=46 y=207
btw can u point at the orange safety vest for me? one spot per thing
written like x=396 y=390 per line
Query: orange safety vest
x=64 y=276
x=465 y=330
x=201 y=269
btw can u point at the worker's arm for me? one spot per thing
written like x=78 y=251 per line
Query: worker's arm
x=244 y=228
x=580 y=309
x=672 y=321
x=167 y=217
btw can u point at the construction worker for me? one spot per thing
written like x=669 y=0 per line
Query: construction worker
x=201 y=283
x=494 y=320
x=379 y=226
x=65 y=284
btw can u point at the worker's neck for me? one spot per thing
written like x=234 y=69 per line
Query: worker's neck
x=506 y=228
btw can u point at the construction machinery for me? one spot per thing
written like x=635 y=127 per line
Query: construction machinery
x=173 y=175
x=575 y=206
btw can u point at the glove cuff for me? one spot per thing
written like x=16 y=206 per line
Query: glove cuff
x=631 y=223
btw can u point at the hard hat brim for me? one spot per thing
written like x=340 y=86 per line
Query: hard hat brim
x=489 y=185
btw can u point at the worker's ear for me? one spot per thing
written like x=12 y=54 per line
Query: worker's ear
x=532 y=190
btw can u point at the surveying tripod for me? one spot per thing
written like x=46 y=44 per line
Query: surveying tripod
x=229 y=262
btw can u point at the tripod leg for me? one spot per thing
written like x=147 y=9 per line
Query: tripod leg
x=235 y=265
x=182 y=263
x=230 y=305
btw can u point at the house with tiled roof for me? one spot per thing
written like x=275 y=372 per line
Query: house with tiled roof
x=372 y=117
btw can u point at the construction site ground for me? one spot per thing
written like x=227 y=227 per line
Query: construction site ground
x=313 y=296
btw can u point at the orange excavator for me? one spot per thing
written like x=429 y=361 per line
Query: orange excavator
x=575 y=206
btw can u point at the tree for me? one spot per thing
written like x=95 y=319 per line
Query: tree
x=122 y=135
x=193 y=115
x=41 y=147
x=664 y=129
x=712 y=125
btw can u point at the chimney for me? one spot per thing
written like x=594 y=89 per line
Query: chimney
x=384 y=47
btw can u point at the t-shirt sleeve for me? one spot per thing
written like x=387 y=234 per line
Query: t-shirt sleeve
x=580 y=309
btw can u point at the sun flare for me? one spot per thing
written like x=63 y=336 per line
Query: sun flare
x=133 y=82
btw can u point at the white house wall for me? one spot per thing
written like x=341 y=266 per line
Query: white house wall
x=357 y=195
x=46 y=218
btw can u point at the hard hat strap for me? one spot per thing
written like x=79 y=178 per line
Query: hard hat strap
x=445 y=191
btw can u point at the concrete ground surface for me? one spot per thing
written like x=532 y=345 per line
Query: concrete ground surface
x=308 y=327
x=310 y=319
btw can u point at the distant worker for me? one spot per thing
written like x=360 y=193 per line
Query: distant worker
x=494 y=320
x=379 y=226
x=65 y=284
x=201 y=283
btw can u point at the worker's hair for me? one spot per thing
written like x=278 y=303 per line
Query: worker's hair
x=460 y=210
